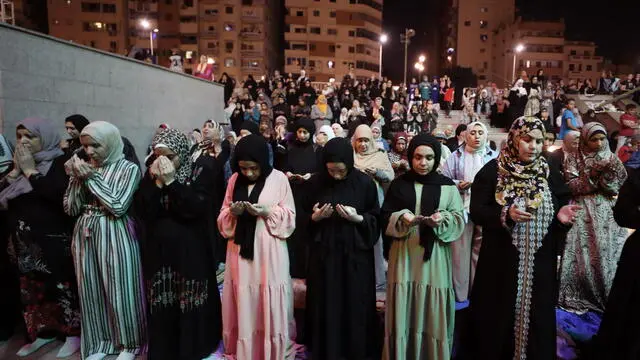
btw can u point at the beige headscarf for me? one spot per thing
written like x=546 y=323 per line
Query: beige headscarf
x=375 y=157
x=107 y=135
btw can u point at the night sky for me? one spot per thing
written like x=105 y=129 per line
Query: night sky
x=613 y=25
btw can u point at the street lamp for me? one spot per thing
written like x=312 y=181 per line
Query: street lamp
x=147 y=26
x=383 y=40
x=422 y=58
x=406 y=39
x=518 y=49
x=420 y=67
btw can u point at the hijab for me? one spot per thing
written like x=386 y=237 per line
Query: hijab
x=473 y=158
x=177 y=142
x=327 y=130
x=307 y=124
x=208 y=144
x=600 y=158
x=50 y=139
x=107 y=135
x=519 y=89
x=322 y=103
x=374 y=157
x=250 y=126
x=402 y=194
x=517 y=179
x=399 y=136
x=250 y=148
x=6 y=154
x=78 y=121
x=337 y=150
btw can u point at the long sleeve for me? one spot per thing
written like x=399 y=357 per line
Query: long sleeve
x=453 y=221
x=281 y=221
x=74 y=197
x=396 y=228
x=576 y=178
x=226 y=220
x=484 y=209
x=52 y=186
x=117 y=196
x=613 y=177
x=627 y=209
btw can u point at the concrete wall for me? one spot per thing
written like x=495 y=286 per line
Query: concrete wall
x=41 y=76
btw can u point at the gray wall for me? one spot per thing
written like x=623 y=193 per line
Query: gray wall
x=42 y=76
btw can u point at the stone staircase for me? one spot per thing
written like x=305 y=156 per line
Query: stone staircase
x=497 y=135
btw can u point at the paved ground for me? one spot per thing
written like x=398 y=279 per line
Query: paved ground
x=8 y=351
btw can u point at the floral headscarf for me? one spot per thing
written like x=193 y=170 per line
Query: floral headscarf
x=517 y=179
x=179 y=144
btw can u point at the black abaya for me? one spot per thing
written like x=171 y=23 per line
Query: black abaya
x=619 y=334
x=493 y=297
x=341 y=313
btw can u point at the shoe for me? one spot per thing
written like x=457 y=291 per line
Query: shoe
x=29 y=349
x=70 y=347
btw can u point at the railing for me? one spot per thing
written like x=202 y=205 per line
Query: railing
x=251 y=35
x=251 y=53
x=209 y=34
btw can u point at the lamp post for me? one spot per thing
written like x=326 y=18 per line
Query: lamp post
x=383 y=40
x=406 y=39
x=518 y=49
x=147 y=26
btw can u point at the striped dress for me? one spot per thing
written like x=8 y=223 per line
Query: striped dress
x=107 y=260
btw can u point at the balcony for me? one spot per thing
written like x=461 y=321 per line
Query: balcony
x=584 y=57
x=252 y=17
x=251 y=53
x=209 y=34
x=189 y=28
x=251 y=35
x=209 y=1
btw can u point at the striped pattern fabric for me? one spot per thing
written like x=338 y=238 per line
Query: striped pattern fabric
x=107 y=260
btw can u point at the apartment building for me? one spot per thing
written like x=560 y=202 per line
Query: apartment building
x=470 y=34
x=542 y=45
x=240 y=37
x=331 y=38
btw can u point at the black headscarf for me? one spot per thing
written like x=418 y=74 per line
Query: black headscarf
x=337 y=150
x=250 y=126
x=78 y=121
x=402 y=194
x=250 y=148
x=308 y=125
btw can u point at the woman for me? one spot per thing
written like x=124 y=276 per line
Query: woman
x=462 y=167
x=341 y=297
x=381 y=143
x=105 y=247
x=594 y=174
x=210 y=156
x=252 y=112
x=398 y=154
x=374 y=162
x=184 y=318
x=40 y=237
x=204 y=70
x=518 y=200
x=257 y=216
x=321 y=113
x=228 y=83
x=518 y=98
x=324 y=135
x=618 y=336
x=422 y=214
x=300 y=165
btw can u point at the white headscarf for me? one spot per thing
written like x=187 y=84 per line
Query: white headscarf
x=107 y=135
x=473 y=158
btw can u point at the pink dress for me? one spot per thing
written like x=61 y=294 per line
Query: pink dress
x=257 y=300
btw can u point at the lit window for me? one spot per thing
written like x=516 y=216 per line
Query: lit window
x=483 y=24
x=229 y=62
x=228 y=27
x=528 y=63
x=484 y=37
x=330 y=64
x=484 y=9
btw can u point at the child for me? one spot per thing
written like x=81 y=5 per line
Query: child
x=627 y=150
x=628 y=125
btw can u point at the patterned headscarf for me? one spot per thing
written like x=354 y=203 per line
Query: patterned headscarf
x=599 y=158
x=179 y=144
x=517 y=179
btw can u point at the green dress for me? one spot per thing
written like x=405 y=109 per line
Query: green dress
x=420 y=312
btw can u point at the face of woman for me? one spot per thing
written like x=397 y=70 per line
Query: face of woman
x=376 y=132
x=475 y=136
x=363 y=145
x=29 y=140
x=337 y=170
x=302 y=134
x=96 y=152
x=252 y=104
x=423 y=160
x=597 y=142
x=336 y=129
x=401 y=145
x=209 y=132
x=321 y=138
x=71 y=130
x=250 y=169
x=530 y=146
x=164 y=151
x=203 y=59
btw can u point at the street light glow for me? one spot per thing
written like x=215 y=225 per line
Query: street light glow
x=155 y=30
x=519 y=48
x=384 y=38
x=419 y=66
x=145 y=23
x=422 y=58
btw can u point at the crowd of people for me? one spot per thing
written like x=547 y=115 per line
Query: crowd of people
x=302 y=187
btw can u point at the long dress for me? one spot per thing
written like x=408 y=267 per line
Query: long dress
x=594 y=243
x=493 y=297
x=341 y=298
x=184 y=310
x=107 y=259
x=40 y=246
x=257 y=301
x=420 y=314
x=619 y=334
x=301 y=159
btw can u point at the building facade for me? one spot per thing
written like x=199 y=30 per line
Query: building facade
x=543 y=47
x=240 y=37
x=332 y=38
x=470 y=33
